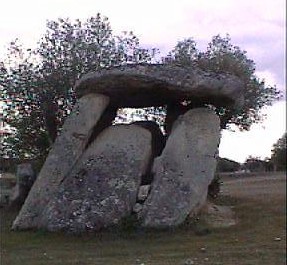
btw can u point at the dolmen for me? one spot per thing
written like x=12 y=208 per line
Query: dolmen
x=97 y=174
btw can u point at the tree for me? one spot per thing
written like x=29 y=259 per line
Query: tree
x=227 y=165
x=255 y=164
x=37 y=85
x=221 y=56
x=278 y=157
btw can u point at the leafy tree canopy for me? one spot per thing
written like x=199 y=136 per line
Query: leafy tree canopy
x=227 y=165
x=256 y=164
x=221 y=56
x=37 y=84
x=278 y=157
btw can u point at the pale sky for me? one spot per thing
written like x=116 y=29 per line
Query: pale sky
x=259 y=27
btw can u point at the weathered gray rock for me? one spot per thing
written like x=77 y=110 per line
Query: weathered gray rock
x=65 y=152
x=104 y=122
x=158 y=143
x=25 y=174
x=157 y=84
x=25 y=178
x=137 y=208
x=143 y=192
x=102 y=188
x=173 y=111
x=7 y=184
x=184 y=170
x=158 y=139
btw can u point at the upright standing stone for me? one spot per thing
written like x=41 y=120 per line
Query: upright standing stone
x=144 y=85
x=25 y=179
x=102 y=188
x=65 y=152
x=184 y=170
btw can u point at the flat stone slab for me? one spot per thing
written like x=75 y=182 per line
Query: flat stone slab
x=145 y=85
x=65 y=152
x=103 y=186
x=184 y=170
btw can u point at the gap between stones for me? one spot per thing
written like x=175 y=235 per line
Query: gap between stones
x=159 y=138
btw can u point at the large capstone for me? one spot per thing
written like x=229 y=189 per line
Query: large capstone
x=102 y=188
x=162 y=84
x=65 y=152
x=184 y=170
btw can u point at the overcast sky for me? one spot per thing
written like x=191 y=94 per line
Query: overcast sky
x=259 y=27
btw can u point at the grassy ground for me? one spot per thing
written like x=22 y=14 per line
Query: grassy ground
x=259 y=237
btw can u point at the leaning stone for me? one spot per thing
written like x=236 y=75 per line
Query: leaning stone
x=145 y=85
x=158 y=143
x=158 y=139
x=104 y=122
x=184 y=170
x=173 y=111
x=65 y=152
x=102 y=188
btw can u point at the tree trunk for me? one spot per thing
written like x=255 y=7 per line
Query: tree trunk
x=50 y=108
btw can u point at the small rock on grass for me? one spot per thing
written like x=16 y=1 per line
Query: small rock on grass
x=189 y=262
x=203 y=249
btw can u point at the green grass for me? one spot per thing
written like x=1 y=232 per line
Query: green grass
x=250 y=242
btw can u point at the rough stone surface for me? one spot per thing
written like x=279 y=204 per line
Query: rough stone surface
x=158 y=139
x=102 y=188
x=137 y=208
x=184 y=170
x=143 y=192
x=157 y=84
x=66 y=150
x=25 y=178
x=25 y=174
x=173 y=111
x=158 y=143
x=104 y=122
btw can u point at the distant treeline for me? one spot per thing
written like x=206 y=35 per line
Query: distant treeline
x=227 y=165
x=223 y=165
x=250 y=165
